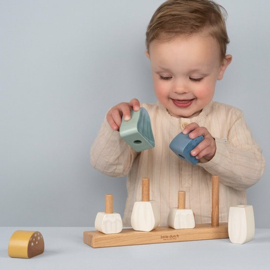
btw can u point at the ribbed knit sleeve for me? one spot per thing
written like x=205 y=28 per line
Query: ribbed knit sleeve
x=110 y=154
x=238 y=160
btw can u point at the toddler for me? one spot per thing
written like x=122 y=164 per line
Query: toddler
x=186 y=44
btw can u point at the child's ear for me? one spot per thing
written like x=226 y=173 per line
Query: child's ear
x=147 y=54
x=225 y=63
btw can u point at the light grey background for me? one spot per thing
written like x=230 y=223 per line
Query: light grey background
x=63 y=64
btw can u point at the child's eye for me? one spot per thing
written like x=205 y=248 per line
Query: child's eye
x=164 y=78
x=195 y=79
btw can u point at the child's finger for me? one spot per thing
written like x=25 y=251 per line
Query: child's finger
x=135 y=104
x=207 y=153
x=199 y=148
x=117 y=117
x=204 y=153
x=206 y=149
x=125 y=109
x=198 y=132
x=111 y=122
x=190 y=127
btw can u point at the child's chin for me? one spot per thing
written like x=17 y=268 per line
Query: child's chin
x=184 y=113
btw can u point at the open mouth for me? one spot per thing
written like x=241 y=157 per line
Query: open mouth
x=182 y=103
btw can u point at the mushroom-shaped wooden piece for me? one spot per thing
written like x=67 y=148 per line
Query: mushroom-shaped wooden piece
x=108 y=222
x=181 y=218
x=145 y=214
x=25 y=244
x=182 y=145
x=241 y=224
x=137 y=131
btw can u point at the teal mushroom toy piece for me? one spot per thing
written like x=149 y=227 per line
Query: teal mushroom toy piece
x=137 y=131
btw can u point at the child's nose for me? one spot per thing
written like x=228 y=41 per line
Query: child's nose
x=180 y=87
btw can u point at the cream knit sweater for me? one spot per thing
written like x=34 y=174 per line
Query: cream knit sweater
x=238 y=162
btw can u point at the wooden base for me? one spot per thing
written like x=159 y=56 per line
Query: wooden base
x=129 y=237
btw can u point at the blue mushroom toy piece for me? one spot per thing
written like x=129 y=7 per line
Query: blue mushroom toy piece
x=182 y=145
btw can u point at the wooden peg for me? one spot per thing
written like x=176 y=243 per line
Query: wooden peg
x=145 y=190
x=181 y=200
x=108 y=222
x=145 y=214
x=180 y=217
x=108 y=204
x=215 y=201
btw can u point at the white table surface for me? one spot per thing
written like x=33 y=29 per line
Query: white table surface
x=64 y=249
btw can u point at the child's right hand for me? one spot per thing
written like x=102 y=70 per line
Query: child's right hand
x=114 y=115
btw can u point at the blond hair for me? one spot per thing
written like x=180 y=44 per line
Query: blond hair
x=186 y=17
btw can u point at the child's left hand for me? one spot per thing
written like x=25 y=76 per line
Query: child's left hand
x=205 y=150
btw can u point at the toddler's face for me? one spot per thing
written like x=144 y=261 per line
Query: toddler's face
x=185 y=71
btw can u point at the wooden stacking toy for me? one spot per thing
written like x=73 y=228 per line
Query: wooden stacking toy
x=241 y=224
x=108 y=222
x=25 y=244
x=137 y=131
x=182 y=145
x=181 y=218
x=164 y=234
x=145 y=214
